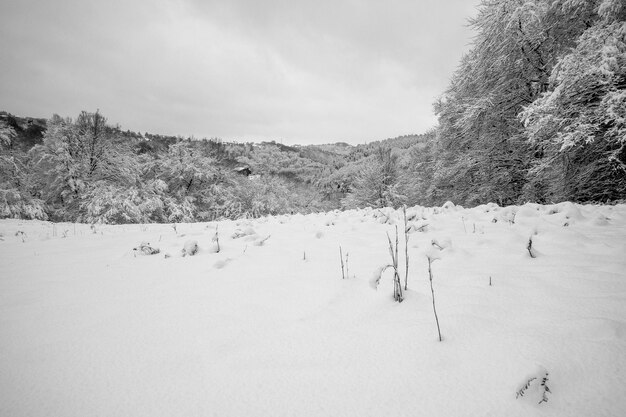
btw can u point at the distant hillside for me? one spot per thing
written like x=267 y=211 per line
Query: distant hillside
x=306 y=162
x=150 y=168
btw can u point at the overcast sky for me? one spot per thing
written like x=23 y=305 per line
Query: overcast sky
x=298 y=71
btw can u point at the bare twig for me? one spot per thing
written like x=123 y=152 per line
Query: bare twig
x=379 y=275
x=436 y=244
x=522 y=390
x=262 y=241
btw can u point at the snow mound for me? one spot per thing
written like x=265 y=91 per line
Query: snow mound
x=190 y=248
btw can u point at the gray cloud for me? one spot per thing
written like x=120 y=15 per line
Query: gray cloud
x=298 y=71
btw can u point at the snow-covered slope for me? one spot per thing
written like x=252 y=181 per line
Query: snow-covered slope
x=268 y=327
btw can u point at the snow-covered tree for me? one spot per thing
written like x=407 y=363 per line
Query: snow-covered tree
x=559 y=60
x=579 y=124
x=378 y=182
x=16 y=200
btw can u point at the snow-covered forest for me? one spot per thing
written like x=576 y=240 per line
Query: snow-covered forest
x=535 y=112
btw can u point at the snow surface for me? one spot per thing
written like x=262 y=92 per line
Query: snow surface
x=267 y=327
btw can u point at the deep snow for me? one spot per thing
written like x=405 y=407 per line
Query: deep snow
x=267 y=327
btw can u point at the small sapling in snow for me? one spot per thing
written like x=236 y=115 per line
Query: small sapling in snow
x=216 y=239
x=397 y=285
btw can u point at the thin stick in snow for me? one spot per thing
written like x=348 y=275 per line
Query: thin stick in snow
x=430 y=275
x=343 y=276
x=406 y=248
x=529 y=247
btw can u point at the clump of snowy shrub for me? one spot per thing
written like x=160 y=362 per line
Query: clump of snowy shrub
x=112 y=204
x=145 y=249
x=535 y=387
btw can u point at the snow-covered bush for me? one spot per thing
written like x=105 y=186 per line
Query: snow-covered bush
x=112 y=204
x=255 y=198
x=19 y=205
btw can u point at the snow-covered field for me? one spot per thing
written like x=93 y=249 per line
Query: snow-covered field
x=268 y=327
